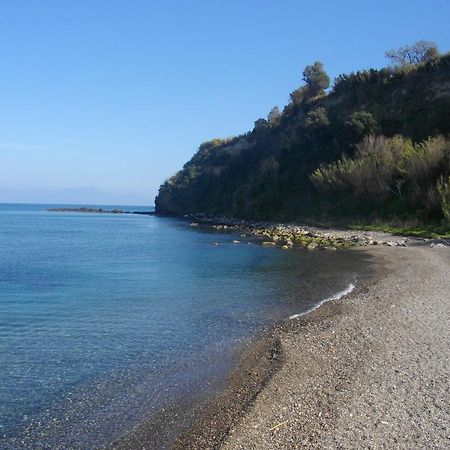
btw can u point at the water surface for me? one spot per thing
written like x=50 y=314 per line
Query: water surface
x=104 y=318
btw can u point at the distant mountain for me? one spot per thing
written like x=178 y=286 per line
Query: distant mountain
x=75 y=195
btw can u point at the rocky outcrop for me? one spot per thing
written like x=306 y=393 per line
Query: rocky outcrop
x=313 y=238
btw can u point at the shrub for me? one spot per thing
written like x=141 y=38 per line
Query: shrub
x=415 y=175
x=443 y=189
x=360 y=124
x=317 y=118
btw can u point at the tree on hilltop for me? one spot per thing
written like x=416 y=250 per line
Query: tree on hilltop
x=316 y=79
x=260 y=125
x=274 y=116
x=420 y=51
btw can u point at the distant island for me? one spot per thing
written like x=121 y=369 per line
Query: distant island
x=374 y=150
x=85 y=209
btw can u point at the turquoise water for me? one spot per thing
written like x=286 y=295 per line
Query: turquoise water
x=105 y=318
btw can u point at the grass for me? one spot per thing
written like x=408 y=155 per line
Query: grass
x=423 y=231
x=398 y=228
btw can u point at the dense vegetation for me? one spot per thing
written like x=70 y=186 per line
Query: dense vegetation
x=375 y=148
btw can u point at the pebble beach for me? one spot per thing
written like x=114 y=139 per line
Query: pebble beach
x=369 y=370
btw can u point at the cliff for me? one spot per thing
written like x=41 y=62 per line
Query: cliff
x=314 y=160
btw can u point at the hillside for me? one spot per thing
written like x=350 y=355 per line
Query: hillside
x=375 y=147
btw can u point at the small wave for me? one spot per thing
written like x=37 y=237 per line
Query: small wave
x=337 y=296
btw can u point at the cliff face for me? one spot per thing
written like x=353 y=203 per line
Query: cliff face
x=266 y=174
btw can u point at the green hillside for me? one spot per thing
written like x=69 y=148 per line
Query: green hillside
x=375 y=148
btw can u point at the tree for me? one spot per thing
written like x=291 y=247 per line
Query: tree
x=317 y=119
x=360 y=124
x=274 y=116
x=261 y=124
x=420 y=51
x=299 y=95
x=316 y=79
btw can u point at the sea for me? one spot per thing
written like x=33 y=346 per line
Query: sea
x=105 y=319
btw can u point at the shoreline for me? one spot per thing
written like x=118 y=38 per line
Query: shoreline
x=369 y=370
x=288 y=235
x=319 y=380
x=205 y=423
x=259 y=358
x=223 y=414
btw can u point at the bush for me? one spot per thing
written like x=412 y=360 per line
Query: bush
x=317 y=118
x=360 y=124
x=443 y=189
x=394 y=169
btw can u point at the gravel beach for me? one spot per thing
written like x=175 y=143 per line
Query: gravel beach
x=368 y=371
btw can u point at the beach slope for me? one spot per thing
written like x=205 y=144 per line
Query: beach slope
x=368 y=371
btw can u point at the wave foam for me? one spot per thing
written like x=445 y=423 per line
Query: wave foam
x=337 y=296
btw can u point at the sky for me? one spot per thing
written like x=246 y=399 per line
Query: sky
x=102 y=100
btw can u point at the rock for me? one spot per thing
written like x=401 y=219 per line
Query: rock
x=236 y=241
x=268 y=243
x=312 y=246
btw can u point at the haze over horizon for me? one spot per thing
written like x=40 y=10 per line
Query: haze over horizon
x=75 y=196
x=103 y=101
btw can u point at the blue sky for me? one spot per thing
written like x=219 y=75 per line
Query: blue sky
x=117 y=95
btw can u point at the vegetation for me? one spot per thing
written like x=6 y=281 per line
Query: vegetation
x=374 y=149
x=393 y=174
x=420 y=51
x=316 y=79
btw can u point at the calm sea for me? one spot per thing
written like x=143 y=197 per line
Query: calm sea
x=106 y=318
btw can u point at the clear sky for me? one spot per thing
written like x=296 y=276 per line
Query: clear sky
x=103 y=100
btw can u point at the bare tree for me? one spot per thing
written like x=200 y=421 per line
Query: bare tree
x=420 y=51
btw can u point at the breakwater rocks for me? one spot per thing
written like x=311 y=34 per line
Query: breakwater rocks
x=291 y=235
x=85 y=209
